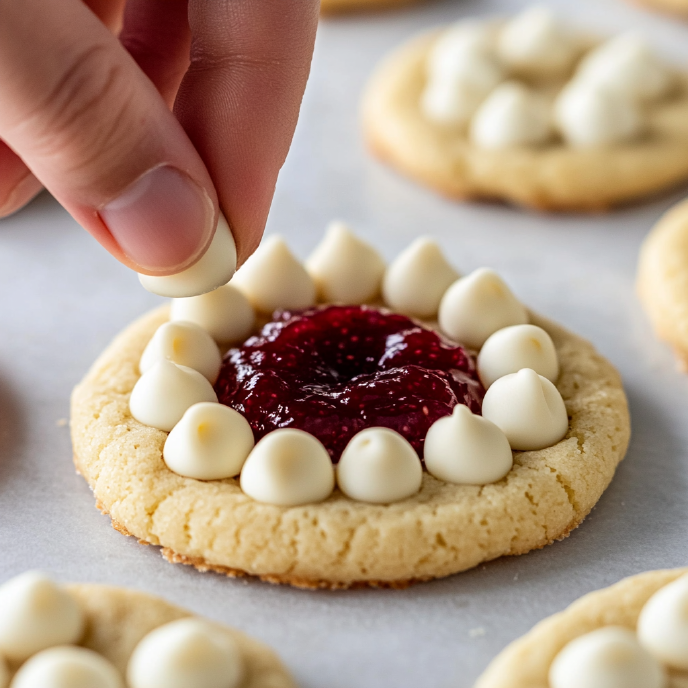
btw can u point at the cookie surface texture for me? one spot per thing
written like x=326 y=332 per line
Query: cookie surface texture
x=663 y=279
x=117 y=619
x=549 y=177
x=525 y=663
x=339 y=543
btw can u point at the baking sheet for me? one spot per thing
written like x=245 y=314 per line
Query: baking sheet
x=63 y=299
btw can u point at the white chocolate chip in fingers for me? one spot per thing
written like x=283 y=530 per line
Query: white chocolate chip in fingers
x=212 y=270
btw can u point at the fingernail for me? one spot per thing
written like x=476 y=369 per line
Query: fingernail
x=163 y=221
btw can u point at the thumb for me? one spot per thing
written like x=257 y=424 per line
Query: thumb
x=94 y=130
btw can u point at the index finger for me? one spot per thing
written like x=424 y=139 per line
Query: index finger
x=240 y=99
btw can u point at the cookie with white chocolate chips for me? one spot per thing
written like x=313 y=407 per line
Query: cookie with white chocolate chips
x=93 y=635
x=349 y=441
x=530 y=111
x=631 y=635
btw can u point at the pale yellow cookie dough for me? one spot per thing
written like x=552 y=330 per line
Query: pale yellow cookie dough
x=117 y=619
x=549 y=177
x=339 y=543
x=339 y=6
x=525 y=663
x=663 y=279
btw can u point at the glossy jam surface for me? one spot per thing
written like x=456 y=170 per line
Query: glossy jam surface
x=335 y=370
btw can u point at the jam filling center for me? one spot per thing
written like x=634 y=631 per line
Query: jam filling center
x=336 y=370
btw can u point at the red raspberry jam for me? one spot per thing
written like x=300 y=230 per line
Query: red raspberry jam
x=335 y=370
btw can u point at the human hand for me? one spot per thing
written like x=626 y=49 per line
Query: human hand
x=87 y=114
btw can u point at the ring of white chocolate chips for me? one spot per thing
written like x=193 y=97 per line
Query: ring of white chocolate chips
x=42 y=624
x=517 y=364
x=502 y=83
x=655 y=656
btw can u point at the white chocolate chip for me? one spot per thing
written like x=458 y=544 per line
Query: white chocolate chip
x=288 y=467
x=449 y=52
x=215 y=268
x=379 y=466
x=626 y=64
x=224 y=313
x=210 y=442
x=185 y=344
x=467 y=449
x=272 y=278
x=512 y=115
x=451 y=97
x=345 y=269
x=535 y=44
x=609 y=657
x=476 y=306
x=663 y=624
x=36 y=613
x=589 y=116
x=416 y=280
x=519 y=346
x=163 y=393
x=67 y=667
x=528 y=408
x=189 y=653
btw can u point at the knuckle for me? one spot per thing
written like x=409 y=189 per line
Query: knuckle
x=85 y=111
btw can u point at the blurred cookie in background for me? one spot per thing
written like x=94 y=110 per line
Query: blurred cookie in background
x=663 y=279
x=533 y=111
